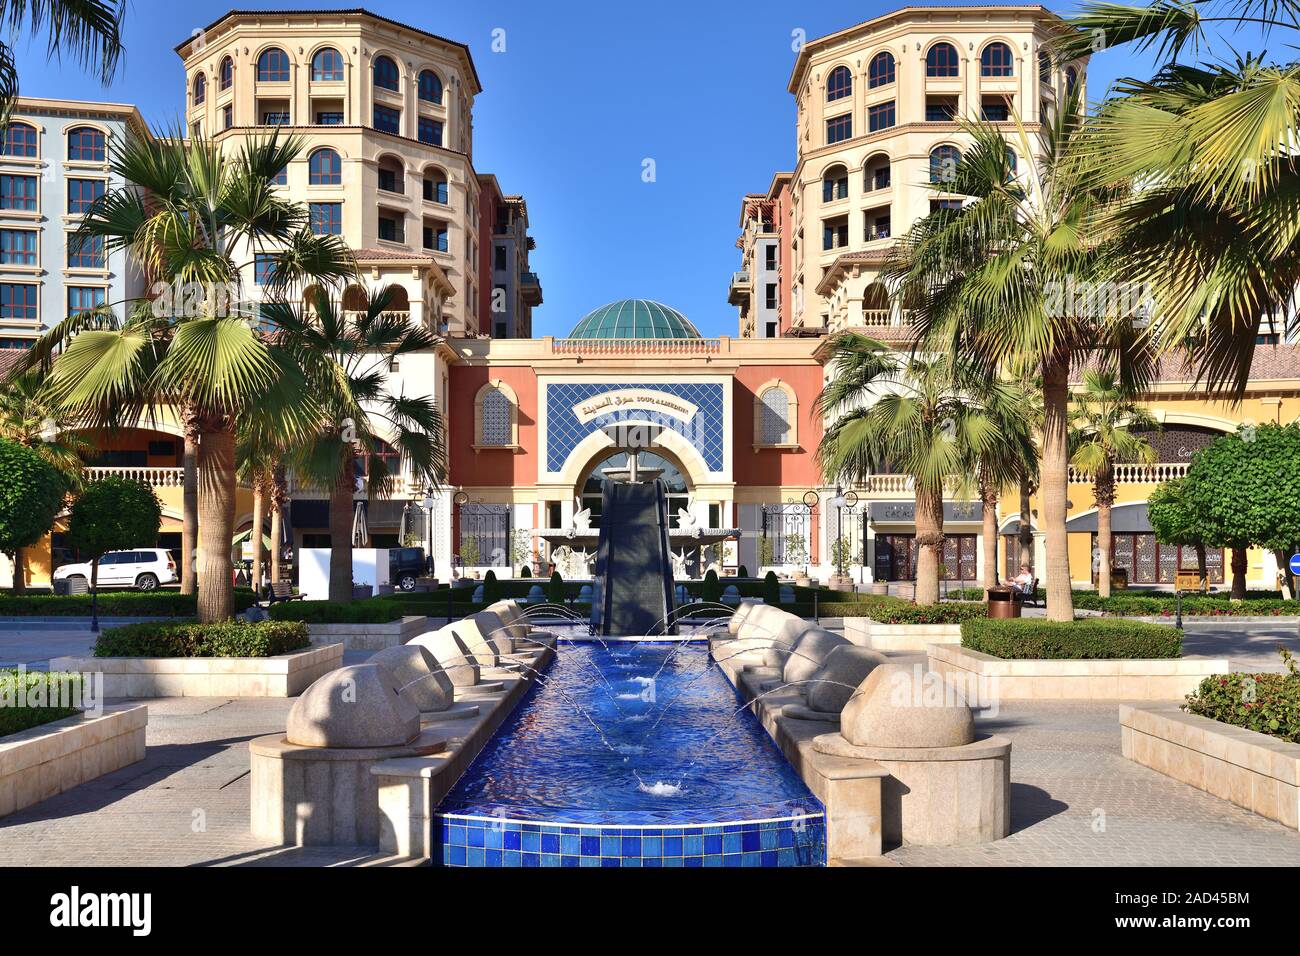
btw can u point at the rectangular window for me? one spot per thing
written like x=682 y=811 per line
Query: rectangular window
x=839 y=128
x=876 y=225
x=769 y=298
x=769 y=258
x=263 y=267
x=326 y=218
x=430 y=131
x=388 y=181
x=940 y=109
x=227 y=117
x=937 y=204
x=86 y=252
x=86 y=145
x=18 y=301
x=880 y=116
x=835 y=233
x=435 y=191
x=329 y=118
x=275 y=118
x=499 y=258
x=18 y=247
x=82 y=193
x=391 y=227
x=18 y=192
x=84 y=298
x=879 y=178
x=435 y=237
x=771 y=330
x=387 y=119
x=995 y=109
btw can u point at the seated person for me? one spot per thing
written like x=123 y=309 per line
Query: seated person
x=1024 y=581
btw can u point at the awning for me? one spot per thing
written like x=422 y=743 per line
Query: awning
x=1126 y=519
x=904 y=512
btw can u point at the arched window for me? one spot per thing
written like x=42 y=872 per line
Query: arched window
x=1071 y=79
x=996 y=60
x=200 y=88
x=875 y=298
x=355 y=299
x=324 y=168
x=1044 y=67
x=941 y=60
x=774 y=415
x=227 y=73
x=19 y=140
x=839 y=84
x=86 y=143
x=495 y=416
x=880 y=72
x=430 y=87
x=835 y=184
x=386 y=75
x=282 y=177
x=943 y=163
x=327 y=66
x=273 y=66
x=435 y=186
x=875 y=172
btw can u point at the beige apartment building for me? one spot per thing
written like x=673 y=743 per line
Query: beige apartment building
x=386 y=114
x=877 y=107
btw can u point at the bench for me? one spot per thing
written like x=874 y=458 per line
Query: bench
x=283 y=591
x=1028 y=598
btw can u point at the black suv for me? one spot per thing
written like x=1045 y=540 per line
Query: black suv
x=404 y=566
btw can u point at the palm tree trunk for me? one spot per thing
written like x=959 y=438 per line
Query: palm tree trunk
x=1054 y=485
x=989 y=498
x=1238 y=572
x=20 y=573
x=279 y=498
x=929 y=545
x=1104 y=491
x=216 y=488
x=341 y=511
x=1026 y=529
x=190 y=506
x=259 y=516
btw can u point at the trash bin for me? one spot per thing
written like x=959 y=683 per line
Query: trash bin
x=1003 y=602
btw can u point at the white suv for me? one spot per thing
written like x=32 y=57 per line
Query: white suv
x=144 y=569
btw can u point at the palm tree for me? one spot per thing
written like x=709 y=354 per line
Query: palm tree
x=1010 y=461
x=1203 y=162
x=195 y=216
x=347 y=355
x=89 y=30
x=1106 y=431
x=258 y=456
x=28 y=417
x=993 y=282
x=933 y=419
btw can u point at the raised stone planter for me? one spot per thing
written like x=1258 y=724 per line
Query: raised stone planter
x=865 y=632
x=285 y=675
x=1250 y=769
x=42 y=762
x=1159 y=679
x=368 y=637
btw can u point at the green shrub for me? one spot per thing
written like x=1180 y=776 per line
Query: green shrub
x=190 y=639
x=1267 y=703
x=711 y=588
x=887 y=610
x=491 y=589
x=378 y=610
x=555 y=590
x=771 y=589
x=525 y=572
x=1088 y=639
x=742 y=572
x=35 y=687
x=1165 y=605
x=112 y=604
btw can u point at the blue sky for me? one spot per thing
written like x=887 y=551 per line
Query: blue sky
x=582 y=95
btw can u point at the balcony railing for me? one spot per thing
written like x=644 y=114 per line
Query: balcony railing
x=153 y=477
x=886 y=485
x=636 y=346
x=1139 y=474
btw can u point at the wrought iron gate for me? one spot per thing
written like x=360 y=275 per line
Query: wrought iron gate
x=788 y=528
x=488 y=527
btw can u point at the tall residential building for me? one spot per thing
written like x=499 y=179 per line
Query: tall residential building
x=877 y=106
x=53 y=164
x=762 y=286
x=510 y=288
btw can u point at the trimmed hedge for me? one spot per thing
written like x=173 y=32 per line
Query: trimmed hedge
x=889 y=610
x=226 y=639
x=1148 y=605
x=1088 y=639
x=380 y=610
x=1266 y=703
x=39 y=687
x=112 y=604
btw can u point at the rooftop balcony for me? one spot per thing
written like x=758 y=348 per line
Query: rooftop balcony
x=741 y=285
x=531 y=287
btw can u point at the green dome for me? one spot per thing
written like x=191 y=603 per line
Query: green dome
x=634 y=319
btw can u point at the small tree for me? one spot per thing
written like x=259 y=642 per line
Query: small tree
x=1174 y=522
x=842 y=556
x=521 y=548
x=491 y=588
x=111 y=515
x=555 y=590
x=711 y=589
x=31 y=495
x=766 y=552
x=469 y=552
x=796 y=549
x=771 y=589
x=525 y=571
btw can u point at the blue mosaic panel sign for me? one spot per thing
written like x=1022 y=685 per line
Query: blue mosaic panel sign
x=491 y=841
x=705 y=429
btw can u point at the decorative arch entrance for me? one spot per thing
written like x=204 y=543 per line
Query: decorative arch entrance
x=588 y=491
